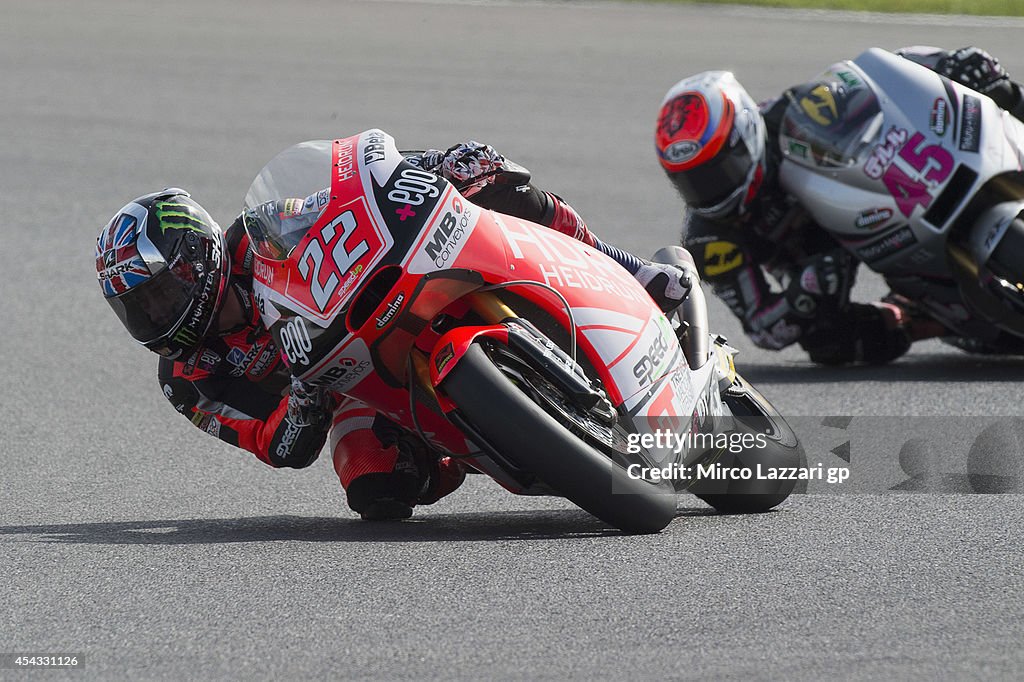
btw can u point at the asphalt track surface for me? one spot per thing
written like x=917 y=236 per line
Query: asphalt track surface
x=130 y=538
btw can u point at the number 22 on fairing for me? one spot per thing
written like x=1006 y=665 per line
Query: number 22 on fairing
x=312 y=258
x=337 y=255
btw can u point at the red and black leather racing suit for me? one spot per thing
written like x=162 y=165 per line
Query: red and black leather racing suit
x=775 y=237
x=237 y=387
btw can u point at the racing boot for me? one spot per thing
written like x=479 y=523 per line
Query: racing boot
x=419 y=477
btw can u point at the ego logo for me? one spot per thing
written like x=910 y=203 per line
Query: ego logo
x=413 y=186
x=295 y=342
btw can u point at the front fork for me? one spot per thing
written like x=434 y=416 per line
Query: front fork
x=525 y=343
x=490 y=309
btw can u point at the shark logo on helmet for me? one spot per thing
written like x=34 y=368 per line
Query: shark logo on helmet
x=119 y=267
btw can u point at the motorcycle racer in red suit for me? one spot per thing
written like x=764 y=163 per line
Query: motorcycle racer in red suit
x=721 y=151
x=183 y=289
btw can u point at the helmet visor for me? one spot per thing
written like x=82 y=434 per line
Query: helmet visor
x=711 y=182
x=155 y=308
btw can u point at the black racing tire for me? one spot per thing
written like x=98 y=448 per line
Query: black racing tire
x=528 y=435
x=752 y=413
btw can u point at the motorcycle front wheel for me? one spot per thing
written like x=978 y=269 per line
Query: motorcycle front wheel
x=527 y=421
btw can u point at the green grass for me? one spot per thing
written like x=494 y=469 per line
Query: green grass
x=1006 y=8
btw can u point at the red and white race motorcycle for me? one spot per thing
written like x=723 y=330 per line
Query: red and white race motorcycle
x=533 y=357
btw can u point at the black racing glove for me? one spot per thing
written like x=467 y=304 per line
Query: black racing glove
x=299 y=437
x=821 y=285
x=973 y=67
x=471 y=166
x=978 y=70
x=310 y=405
x=861 y=334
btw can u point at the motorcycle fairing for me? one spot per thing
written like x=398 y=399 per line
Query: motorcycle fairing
x=369 y=180
x=384 y=212
x=594 y=284
x=905 y=179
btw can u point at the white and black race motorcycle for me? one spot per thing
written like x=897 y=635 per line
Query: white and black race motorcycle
x=922 y=179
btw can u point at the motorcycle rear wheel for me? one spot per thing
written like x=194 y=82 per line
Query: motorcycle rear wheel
x=752 y=413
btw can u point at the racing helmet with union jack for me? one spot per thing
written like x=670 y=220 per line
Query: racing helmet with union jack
x=711 y=142
x=162 y=263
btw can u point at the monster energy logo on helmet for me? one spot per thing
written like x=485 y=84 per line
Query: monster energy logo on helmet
x=179 y=216
x=186 y=336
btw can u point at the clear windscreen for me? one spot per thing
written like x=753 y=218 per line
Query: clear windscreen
x=286 y=198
